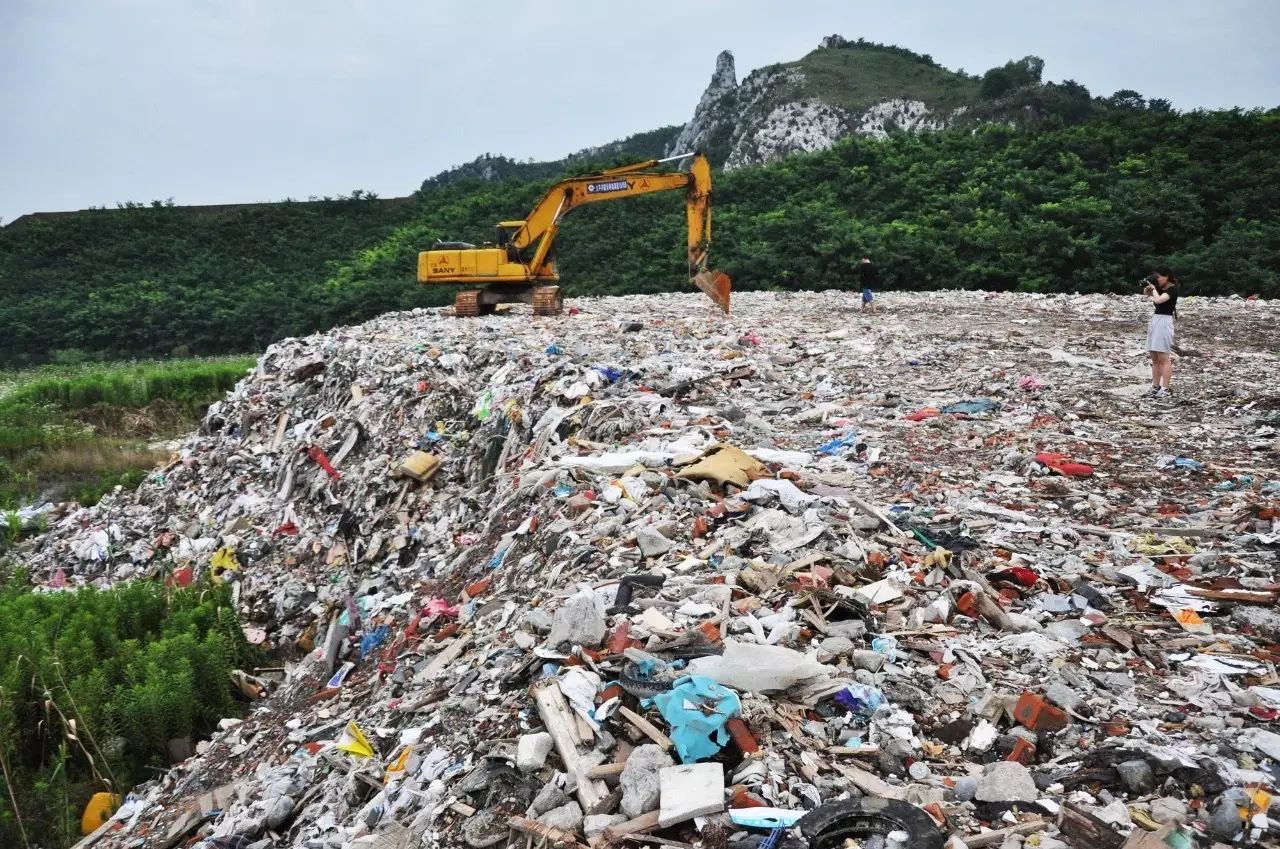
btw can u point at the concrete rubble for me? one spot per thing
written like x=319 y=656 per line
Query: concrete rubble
x=937 y=576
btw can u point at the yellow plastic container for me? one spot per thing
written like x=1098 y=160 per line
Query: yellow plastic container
x=98 y=811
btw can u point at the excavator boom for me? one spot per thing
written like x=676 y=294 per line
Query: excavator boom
x=521 y=259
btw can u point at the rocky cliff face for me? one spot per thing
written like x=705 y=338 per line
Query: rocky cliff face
x=778 y=110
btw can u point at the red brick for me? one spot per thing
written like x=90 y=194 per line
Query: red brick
x=1023 y=752
x=1034 y=713
x=742 y=736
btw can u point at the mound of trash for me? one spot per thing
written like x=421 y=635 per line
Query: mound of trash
x=647 y=574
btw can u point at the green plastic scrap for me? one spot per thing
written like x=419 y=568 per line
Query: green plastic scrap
x=697 y=709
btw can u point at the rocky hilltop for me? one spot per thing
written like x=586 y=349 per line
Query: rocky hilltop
x=842 y=88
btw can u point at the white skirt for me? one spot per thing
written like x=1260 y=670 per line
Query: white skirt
x=1160 y=334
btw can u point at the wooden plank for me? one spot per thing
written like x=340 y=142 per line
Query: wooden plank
x=447 y=655
x=558 y=719
x=640 y=825
x=870 y=784
x=1242 y=596
x=583 y=730
x=92 y=838
x=995 y=838
x=281 y=422
x=660 y=841
x=556 y=836
x=650 y=730
x=814 y=620
x=877 y=513
x=867 y=749
x=1082 y=828
x=603 y=771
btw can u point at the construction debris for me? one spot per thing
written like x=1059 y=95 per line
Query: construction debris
x=939 y=576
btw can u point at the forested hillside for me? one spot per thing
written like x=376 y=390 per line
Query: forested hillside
x=1086 y=207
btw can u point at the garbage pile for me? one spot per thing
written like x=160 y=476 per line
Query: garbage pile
x=649 y=575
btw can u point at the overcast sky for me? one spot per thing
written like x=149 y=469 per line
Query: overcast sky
x=218 y=101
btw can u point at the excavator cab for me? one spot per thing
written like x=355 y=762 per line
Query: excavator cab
x=507 y=231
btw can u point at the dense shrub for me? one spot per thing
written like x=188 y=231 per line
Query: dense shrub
x=93 y=685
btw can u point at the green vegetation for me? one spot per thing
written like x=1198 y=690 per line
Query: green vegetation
x=1085 y=196
x=159 y=281
x=85 y=429
x=858 y=75
x=1088 y=208
x=93 y=685
x=641 y=146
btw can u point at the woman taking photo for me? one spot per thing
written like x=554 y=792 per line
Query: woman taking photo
x=1161 y=289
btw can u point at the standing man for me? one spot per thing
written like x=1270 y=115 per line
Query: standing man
x=868 y=276
x=1161 y=289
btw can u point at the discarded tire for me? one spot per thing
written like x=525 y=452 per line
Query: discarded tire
x=829 y=826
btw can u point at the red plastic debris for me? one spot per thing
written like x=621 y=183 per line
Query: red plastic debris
x=181 y=577
x=1064 y=465
x=323 y=461
x=744 y=798
x=1016 y=575
x=620 y=639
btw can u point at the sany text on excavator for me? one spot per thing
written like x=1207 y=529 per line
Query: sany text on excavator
x=519 y=266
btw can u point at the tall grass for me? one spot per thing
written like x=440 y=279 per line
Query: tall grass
x=189 y=383
x=45 y=436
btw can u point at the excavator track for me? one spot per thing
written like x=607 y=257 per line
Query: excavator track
x=547 y=300
x=468 y=305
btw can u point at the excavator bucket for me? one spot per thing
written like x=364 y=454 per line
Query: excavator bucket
x=715 y=285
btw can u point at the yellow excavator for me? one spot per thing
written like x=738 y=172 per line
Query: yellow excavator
x=519 y=267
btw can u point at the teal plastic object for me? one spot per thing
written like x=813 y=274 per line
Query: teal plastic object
x=765 y=817
x=697 y=709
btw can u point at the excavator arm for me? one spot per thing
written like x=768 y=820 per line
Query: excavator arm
x=539 y=229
